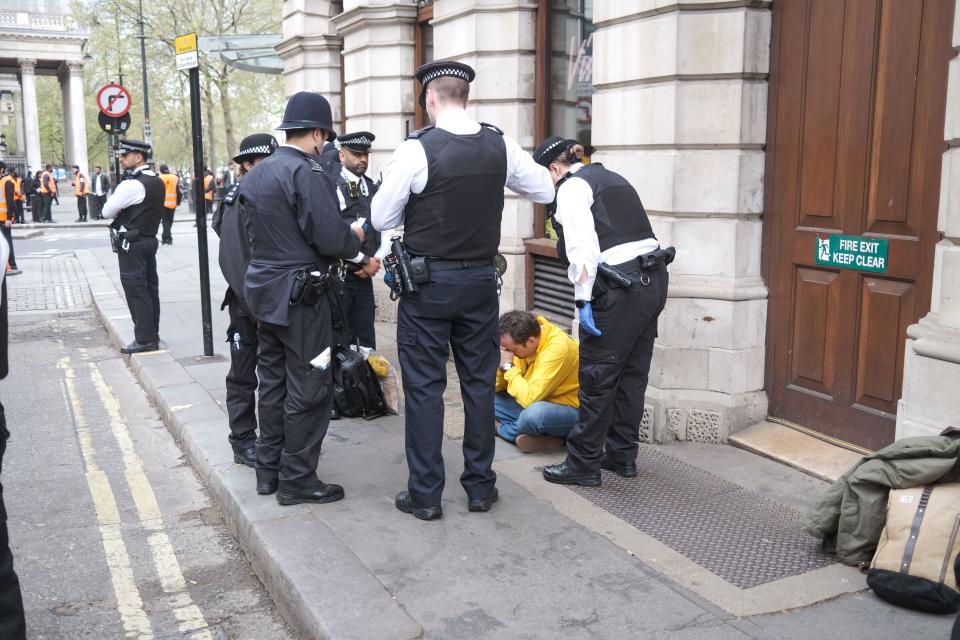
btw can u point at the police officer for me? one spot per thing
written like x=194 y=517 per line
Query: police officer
x=229 y=224
x=355 y=191
x=601 y=221
x=137 y=205
x=445 y=184
x=296 y=235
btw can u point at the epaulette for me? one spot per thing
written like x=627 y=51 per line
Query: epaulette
x=419 y=132
x=231 y=194
x=492 y=126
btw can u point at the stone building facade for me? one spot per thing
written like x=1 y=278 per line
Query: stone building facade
x=36 y=38
x=690 y=100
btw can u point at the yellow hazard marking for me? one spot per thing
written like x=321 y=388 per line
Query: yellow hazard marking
x=165 y=561
x=134 y=619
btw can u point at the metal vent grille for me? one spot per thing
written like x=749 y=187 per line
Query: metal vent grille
x=552 y=291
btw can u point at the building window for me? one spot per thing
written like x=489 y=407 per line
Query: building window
x=570 y=109
x=422 y=53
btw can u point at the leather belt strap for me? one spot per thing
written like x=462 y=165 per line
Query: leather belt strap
x=443 y=265
x=915 y=529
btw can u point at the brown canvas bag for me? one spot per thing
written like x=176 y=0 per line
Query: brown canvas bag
x=913 y=565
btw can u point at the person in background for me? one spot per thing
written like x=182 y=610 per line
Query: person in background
x=12 y=622
x=36 y=199
x=229 y=222
x=48 y=193
x=99 y=189
x=18 y=197
x=81 y=188
x=537 y=383
x=171 y=199
x=8 y=191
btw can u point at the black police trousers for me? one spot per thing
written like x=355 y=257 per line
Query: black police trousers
x=458 y=307
x=354 y=312
x=141 y=286
x=166 y=219
x=614 y=368
x=242 y=377
x=295 y=398
x=12 y=625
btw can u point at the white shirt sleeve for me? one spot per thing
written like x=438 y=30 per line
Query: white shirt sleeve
x=406 y=173
x=127 y=193
x=574 y=199
x=343 y=203
x=525 y=177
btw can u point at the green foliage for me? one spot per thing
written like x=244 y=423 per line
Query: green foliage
x=235 y=103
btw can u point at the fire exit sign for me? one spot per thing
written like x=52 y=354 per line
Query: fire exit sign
x=853 y=252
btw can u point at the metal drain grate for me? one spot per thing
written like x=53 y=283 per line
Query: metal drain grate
x=744 y=538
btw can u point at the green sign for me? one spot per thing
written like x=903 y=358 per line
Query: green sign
x=853 y=252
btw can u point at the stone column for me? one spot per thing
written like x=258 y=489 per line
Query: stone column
x=18 y=122
x=499 y=41
x=311 y=51
x=931 y=370
x=680 y=111
x=77 y=151
x=31 y=118
x=67 y=109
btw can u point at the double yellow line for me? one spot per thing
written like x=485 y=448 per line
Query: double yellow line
x=135 y=621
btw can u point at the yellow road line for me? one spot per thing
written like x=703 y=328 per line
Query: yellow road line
x=129 y=604
x=189 y=616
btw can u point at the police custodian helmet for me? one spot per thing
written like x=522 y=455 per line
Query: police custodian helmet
x=308 y=110
x=255 y=146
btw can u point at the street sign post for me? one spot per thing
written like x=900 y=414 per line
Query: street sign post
x=113 y=100
x=186 y=52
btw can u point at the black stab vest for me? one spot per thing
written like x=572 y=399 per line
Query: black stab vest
x=618 y=214
x=457 y=216
x=145 y=216
x=359 y=207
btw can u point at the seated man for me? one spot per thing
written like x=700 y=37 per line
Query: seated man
x=537 y=401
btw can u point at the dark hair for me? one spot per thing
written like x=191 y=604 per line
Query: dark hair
x=572 y=154
x=98 y=167
x=164 y=169
x=77 y=167
x=519 y=325
x=450 y=89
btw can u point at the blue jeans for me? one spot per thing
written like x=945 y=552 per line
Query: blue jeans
x=540 y=418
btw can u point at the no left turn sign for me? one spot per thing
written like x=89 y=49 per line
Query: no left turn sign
x=113 y=100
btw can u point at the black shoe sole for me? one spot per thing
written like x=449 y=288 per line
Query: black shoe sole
x=267 y=491
x=418 y=513
x=237 y=458
x=620 y=471
x=288 y=500
x=583 y=482
x=481 y=506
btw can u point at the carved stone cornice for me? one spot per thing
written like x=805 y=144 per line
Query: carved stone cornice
x=27 y=65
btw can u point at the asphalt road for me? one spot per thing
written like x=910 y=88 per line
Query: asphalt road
x=112 y=532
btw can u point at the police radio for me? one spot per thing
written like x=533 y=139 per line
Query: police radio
x=399 y=270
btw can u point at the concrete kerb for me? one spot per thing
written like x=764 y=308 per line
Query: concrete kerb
x=290 y=548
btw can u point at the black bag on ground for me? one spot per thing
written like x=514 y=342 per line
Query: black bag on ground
x=356 y=389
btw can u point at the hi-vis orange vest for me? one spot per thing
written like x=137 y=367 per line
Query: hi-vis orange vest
x=207 y=195
x=18 y=189
x=3 y=198
x=45 y=177
x=170 y=190
x=81 y=185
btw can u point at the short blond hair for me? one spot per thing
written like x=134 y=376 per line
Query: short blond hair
x=450 y=89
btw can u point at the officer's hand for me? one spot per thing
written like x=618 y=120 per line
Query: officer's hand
x=586 y=320
x=359 y=232
x=505 y=356
x=8 y=223
x=370 y=269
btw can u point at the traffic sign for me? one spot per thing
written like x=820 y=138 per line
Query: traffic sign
x=186 y=51
x=113 y=100
x=114 y=126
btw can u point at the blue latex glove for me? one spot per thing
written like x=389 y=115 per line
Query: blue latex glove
x=586 y=320
x=387 y=278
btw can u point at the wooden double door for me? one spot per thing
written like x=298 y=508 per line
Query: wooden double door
x=855 y=139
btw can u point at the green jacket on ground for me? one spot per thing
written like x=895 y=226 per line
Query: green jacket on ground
x=851 y=514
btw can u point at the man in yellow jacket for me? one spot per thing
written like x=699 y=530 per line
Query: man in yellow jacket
x=537 y=399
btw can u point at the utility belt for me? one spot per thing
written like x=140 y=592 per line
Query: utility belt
x=120 y=241
x=619 y=275
x=405 y=273
x=311 y=284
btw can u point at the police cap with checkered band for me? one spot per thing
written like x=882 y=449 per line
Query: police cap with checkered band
x=550 y=148
x=254 y=146
x=133 y=146
x=438 y=69
x=359 y=141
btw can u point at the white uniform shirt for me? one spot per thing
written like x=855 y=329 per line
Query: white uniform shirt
x=407 y=172
x=99 y=181
x=574 y=199
x=128 y=193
